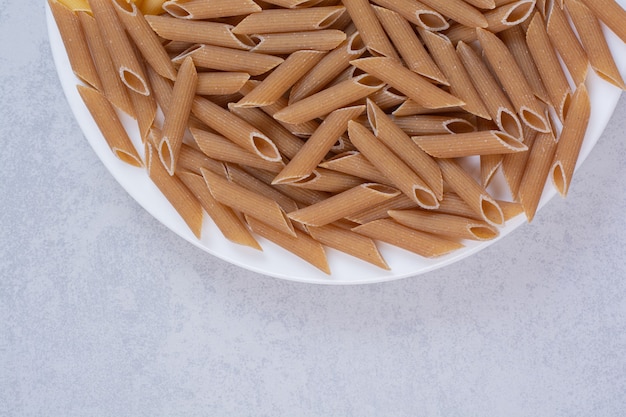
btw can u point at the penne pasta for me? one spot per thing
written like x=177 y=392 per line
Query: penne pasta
x=459 y=11
x=483 y=142
x=445 y=224
x=151 y=6
x=433 y=124
x=417 y=13
x=220 y=83
x=289 y=20
x=202 y=9
x=287 y=43
x=355 y=164
x=514 y=164
x=372 y=32
x=328 y=181
x=489 y=164
x=611 y=14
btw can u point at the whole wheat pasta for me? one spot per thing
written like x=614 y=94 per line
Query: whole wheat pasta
x=611 y=14
x=344 y=204
x=330 y=66
x=202 y=9
x=515 y=39
x=301 y=245
x=391 y=166
x=176 y=119
x=400 y=143
x=489 y=165
x=404 y=38
x=456 y=206
x=224 y=217
x=498 y=20
x=199 y=32
x=536 y=173
x=513 y=81
x=112 y=86
x=327 y=100
x=381 y=211
x=328 y=181
x=235 y=129
x=354 y=163
x=412 y=108
x=417 y=13
x=222 y=149
x=220 y=83
x=227 y=59
x=495 y=100
x=287 y=43
x=151 y=6
x=192 y=160
x=292 y=4
x=372 y=32
x=110 y=126
x=482 y=4
x=593 y=40
x=433 y=124
x=461 y=86
x=145 y=39
x=387 y=97
x=289 y=20
x=279 y=81
x=514 y=164
x=459 y=11
x=349 y=242
x=75 y=43
x=145 y=111
x=302 y=196
x=445 y=224
x=180 y=197
x=549 y=66
x=510 y=209
x=424 y=244
x=565 y=41
x=407 y=82
x=483 y=142
x=318 y=145
x=471 y=192
x=119 y=46
x=570 y=140
x=248 y=202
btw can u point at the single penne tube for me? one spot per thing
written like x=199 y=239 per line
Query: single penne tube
x=594 y=42
x=177 y=117
x=355 y=164
x=228 y=59
x=466 y=187
x=514 y=164
x=235 y=129
x=417 y=13
x=219 y=148
x=76 y=43
x=381 y=211
x=202 y=9
x=499 y=19
x=391 y=166
x=459 y=11
x=495 y=100
x=431 y=124
x=571 y=140
x=112 y=86
x=410 y=47
x=515 y=39
x=145 y=111
x=220 y=83
x=302 y=196
x=412 y=108
x=461 y=85
x=401 y=144
x=192 y=160
x=565 y=41
x=445 y=224
x=407 y=82
x=513 y=81
x=456 y=206
x=387 y=98
x=287 y=143
x=483 y=142
x=110 y=125
x=548 y=65
x=289 y=20
x=329 y=99
x=279 y=81
x=226 y=220
x=248 y=202
x=329 y=67
x=344 y=204
x=423 y=244
x=175 y=191
x=346 y=241
x=611 y=14
x=288 y=43
x=292 y=4
x=536 y=173
x=146 y=41
x=119 y=46
x=368 y=25
x=510 y=209
x=318 y=145
x=489 y=164
x=198 y=32
x=299 y=243
x=328 y=181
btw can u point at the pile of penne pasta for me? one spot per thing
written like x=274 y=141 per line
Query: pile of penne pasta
x=328 y=123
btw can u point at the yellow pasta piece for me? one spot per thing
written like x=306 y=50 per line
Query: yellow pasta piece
x=151 y=6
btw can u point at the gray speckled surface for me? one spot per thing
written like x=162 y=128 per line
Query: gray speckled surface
x=105 y=312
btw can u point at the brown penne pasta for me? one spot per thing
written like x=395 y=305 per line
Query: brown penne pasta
x=202 y=9
x=483 y=142
x=445 y=224
x=372 y=32
x=289 y=20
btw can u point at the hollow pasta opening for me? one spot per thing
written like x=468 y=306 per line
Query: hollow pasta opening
x=519 y=13
x=176 y=10
x=134 y=81
x=509 y=123
x=356 y=44
x=483 y=232
x=459 y=126
x=535 y=121
x=330 y=19
x=265 y=148
x=432 y=21
x=426 y=198
x=491 y=211
x=558 y=177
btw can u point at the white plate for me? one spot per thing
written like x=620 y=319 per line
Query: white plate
x=273 y=260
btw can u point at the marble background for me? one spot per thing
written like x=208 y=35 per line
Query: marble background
x=105 y=312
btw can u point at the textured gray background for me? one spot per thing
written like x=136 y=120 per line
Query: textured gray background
x=104 y=312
